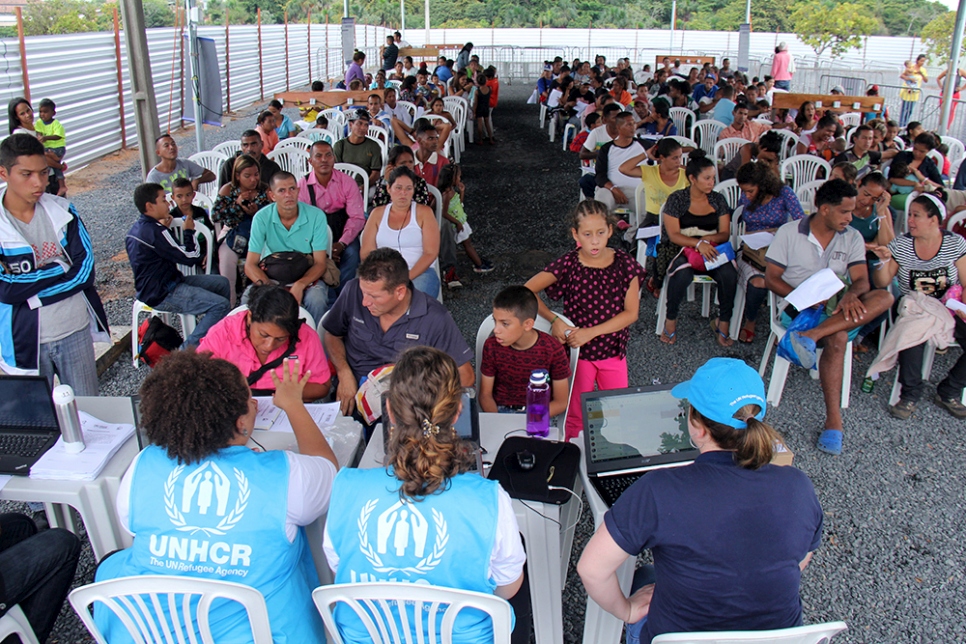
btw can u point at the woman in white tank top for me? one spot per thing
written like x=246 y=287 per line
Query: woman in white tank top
x=408 y=227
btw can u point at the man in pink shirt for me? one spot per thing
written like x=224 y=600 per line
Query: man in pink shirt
x=742 y=127
x=338 y=195
x=781 y=68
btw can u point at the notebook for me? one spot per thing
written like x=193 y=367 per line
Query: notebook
x=28 y=422
x=629 y=432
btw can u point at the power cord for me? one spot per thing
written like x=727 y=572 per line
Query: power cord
x=580 y=507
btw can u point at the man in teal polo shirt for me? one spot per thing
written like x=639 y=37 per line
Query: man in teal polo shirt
x=290 y=226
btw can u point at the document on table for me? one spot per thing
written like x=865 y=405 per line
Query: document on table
x=818 y=288
x=267 y=413
x=324 y=415
x=754 y=241
x=102 y=440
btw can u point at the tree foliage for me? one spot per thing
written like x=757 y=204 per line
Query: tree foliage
x=834 y=27
x=938 y=35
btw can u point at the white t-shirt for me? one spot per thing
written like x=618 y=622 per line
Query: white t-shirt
x=597 y=138
x=507 y=558
x=615 y=158
x=309 y=487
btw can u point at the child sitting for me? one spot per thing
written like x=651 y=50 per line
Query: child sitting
x=451 y=187
x=592 y=122
x=183 y=195
x=515 y=350
x=52 y=135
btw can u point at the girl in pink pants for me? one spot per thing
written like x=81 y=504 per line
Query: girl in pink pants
x=601 y=289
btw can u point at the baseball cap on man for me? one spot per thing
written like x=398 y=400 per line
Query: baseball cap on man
x=722 y=386
x=359 y=113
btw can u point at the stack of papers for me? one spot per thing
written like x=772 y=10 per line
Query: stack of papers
x=102 y=440
x=818 y=288
x=273 y=419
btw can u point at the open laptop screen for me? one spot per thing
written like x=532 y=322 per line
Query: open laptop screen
x=635 y=427
x=26 y=403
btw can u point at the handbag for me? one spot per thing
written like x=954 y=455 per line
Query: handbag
x=286 y=267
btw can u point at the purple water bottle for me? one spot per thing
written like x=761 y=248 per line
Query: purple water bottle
x=538 y=404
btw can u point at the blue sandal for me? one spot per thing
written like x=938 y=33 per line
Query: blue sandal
x=669 y=336
x=830 y=442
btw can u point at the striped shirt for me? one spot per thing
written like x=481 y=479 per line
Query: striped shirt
x=928 y=276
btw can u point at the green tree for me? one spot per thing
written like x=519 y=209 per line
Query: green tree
x=44 y=17
x=824 y=25
x=938 y=35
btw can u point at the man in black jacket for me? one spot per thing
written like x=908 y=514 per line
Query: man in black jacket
x=154 y=254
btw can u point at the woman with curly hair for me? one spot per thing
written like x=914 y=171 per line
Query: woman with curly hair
x=200 y=503
x=424 y=517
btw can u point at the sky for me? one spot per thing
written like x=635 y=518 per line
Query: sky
x=952 y=4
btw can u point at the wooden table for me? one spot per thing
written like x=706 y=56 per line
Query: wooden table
x=790 y=101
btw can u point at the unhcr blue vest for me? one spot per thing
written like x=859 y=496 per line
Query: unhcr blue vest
x=221 y=518
x=443 y=540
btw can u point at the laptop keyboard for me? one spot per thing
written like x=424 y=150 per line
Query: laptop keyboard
x=22 y=445
x=611 y=487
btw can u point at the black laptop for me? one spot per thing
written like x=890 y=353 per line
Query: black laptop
x=629 y=432
x=28 y=422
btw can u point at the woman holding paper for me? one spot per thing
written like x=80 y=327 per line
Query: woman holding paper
x=931 y=261
x=766 y=204
x=696 y=226
x=201 y=504
x=257 y=340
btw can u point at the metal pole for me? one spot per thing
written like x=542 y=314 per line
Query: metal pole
x=345 y=8
x=748 y=12
x=192 y=14
x=427 y=39
x=120 y=76
x=142 y=85
x=402 y=16
x=952 y=70
x=286 y=52
x=674 y=19
x=23 y=54
x=308 y=19
x=227 y=69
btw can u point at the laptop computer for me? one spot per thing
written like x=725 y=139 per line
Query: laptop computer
x=28 y=422
x=629 y=432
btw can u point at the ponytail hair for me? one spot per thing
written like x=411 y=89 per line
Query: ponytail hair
x=698 y=162
x=424 y=448
x=753 y=446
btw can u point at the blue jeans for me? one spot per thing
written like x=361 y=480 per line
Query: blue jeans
x=642 y=577
x=428 y=282
x=199 y=295
x=785 y=85
x=37 y=569
x=71 y=358
x=906 y=114
x=588 y=185
x=348 y=266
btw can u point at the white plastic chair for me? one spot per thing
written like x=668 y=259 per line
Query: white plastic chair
x=685 y=142
x=789 y=144
x=725 y=149
x=374 y=603
x=640 y=200
x=957 y=152
x=806 y=195
x=438 y=207
x=779 y=370
x=803 y=168
x=682 y=118
x=731 y=192
x=706 y=134
x=811 y=634
x=228 y=148
x=410 y=107
x=486 y=329
x=382 y=142
x=14 y=622
x=902 y=223
x=937 y=159
x=849 y=134
x=204 y=202
x=318 y=134
x=569 y=129
x=459 y=107
x=298 y=142
x=850 y=119
x=135 y=602
x=358 y=174
x=210 y=160
x=291 y=159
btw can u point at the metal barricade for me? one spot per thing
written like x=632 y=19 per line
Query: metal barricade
x=930 y=113
x=852 y=85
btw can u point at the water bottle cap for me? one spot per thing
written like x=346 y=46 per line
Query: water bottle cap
x=539 y=377
x=63 y=395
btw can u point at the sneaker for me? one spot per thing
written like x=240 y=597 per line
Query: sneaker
x=953 y=405
x=485 y=267
x=902 y=409
x=451 y=279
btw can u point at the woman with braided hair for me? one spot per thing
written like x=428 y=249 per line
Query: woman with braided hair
x=424 y=518
x=200 y=503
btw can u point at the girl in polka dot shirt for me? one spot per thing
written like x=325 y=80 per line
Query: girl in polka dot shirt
x=601 y=289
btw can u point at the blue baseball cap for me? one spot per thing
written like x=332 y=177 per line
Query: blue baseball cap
x=722 y=386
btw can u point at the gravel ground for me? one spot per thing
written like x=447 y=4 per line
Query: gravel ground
x=892 y=560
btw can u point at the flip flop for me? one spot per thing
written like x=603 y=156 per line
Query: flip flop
x=717 y=331
x=669 y=336
x=746 y=337
x=830 y=442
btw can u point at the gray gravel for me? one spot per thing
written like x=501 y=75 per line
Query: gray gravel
x=892 y=560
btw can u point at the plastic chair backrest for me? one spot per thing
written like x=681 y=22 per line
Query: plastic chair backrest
x=177 y=228
x=732 y=193
x=640 y=198
x=902 y=224
x=304 y=315
x=410 y=107
x=419 y=605
x=811 y=634
x=849 y=134
x=806 y=194
x=291 y=159
x=685 y=141
x=318 y=134
x=356 y=173
x=334 y=114
x=957 y=151
x=382 y=143
x=706 y=134
x=14 y=622
x=789 y=144
x=726 y=149
x=298 y=142
x=438 y=203
x=737 y=227
x=486 y=329
x=681 y=116
x=135 y=600
x=203 y=201
x=804 y=168
x=937 y=158
x=850 y=119
x=228 y=148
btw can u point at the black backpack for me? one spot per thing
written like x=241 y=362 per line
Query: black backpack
x=156 y=340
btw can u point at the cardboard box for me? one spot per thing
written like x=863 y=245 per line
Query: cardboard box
x=781 y=454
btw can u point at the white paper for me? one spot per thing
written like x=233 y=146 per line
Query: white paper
x=324 y=415
x=463 y=235
x=102 y=440
x=554 y=99
x=754 y=241
x=267 y=413
x=817 y=288
x=646 y=232
x=955 y=305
